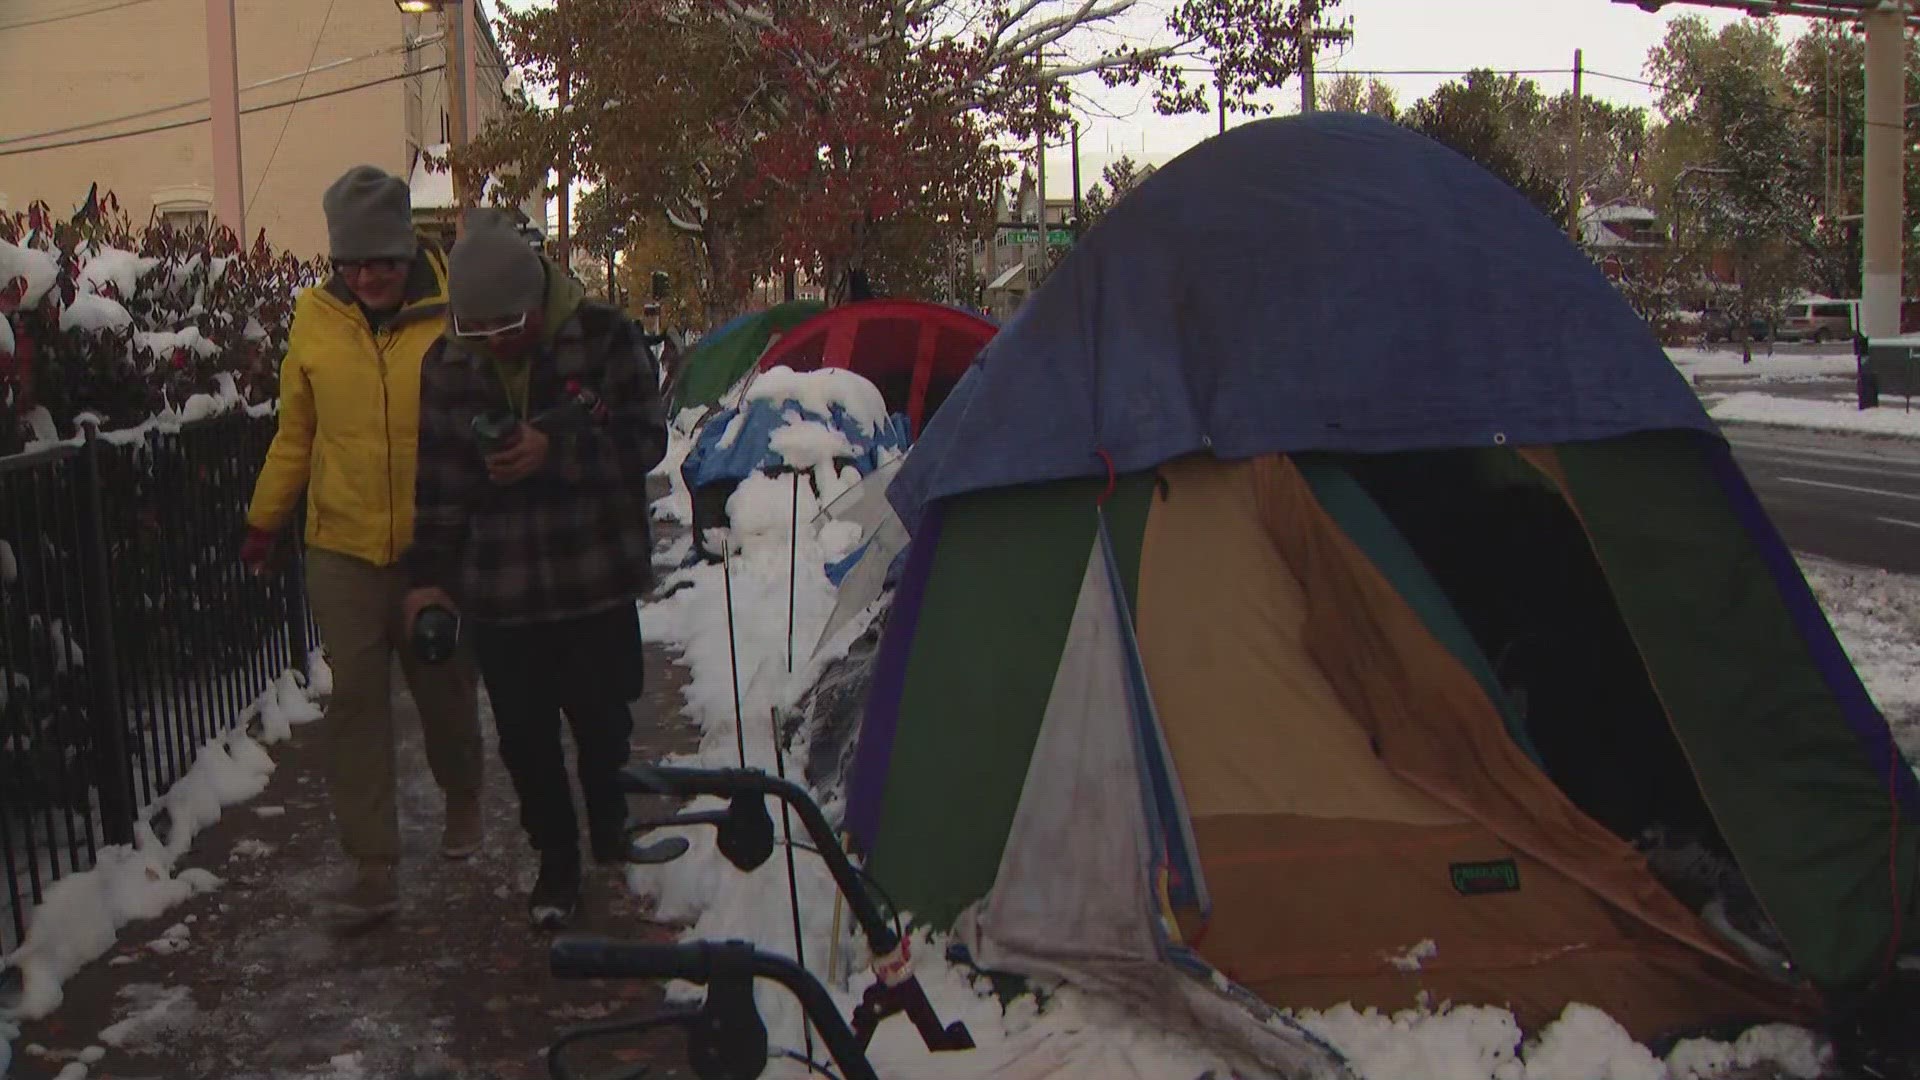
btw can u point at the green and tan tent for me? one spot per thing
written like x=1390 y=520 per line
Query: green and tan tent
x=1317 y=596
x=716 y=363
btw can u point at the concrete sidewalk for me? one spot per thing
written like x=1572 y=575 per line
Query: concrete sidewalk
x=248 y=983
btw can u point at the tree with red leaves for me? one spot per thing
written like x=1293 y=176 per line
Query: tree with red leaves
x=834 y=135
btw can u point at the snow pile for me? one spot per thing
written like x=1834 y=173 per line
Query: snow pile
x=677 y=505
x=165 y=343
x=1480 y=1043
x=37 y=268
x=1789 y=1050
x=819 y=392
x=95 y=314
x=1753 y=407
x=114 y=272
x=82 y=914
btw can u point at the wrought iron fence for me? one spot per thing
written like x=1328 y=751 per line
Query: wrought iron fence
x=129 y=635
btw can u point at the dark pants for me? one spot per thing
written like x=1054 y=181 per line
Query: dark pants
x=590 y=669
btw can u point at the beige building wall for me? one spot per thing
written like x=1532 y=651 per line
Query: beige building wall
x=80 y=70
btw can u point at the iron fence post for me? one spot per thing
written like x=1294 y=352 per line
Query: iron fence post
x=297 y=643
x=113 y=767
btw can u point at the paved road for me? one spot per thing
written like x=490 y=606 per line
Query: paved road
x=1852 y=499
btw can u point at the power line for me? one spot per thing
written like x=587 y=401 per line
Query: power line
x=44 y=20
x=321 y=96
x=288 y=122
x=1788 y=110
x=7 y=140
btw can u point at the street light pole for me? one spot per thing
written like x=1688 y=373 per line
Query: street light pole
x=223 y=91
x=457 y=17
x=1882 y=242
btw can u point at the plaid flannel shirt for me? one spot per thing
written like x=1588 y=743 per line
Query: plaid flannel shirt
x=570 y=540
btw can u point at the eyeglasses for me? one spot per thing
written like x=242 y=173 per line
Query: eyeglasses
x=388 y=266
x=488 y=328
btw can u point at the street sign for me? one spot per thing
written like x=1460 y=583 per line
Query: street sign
x=1055 y=237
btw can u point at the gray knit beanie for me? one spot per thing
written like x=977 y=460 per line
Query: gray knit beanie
x=493 y=272
x=369 y=216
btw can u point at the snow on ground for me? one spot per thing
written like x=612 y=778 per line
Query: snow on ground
x=1779 y=367
x=82 y=914
x=1074 y=1035
x=1755 y=407
x=1877 y=615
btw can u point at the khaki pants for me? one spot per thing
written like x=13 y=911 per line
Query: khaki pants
x=358 y=608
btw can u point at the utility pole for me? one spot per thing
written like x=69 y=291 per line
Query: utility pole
x=1882 y=240
x=1575 y=165
x=1220 y=99
x=1309 y=28
x=1311 y=35
x=223 y=89
x=1036 y=270
x=1077 y=209
x=565 y=246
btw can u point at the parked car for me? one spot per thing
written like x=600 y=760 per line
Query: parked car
x=1819 y=319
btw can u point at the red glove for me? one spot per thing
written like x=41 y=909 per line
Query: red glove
x=257 y=551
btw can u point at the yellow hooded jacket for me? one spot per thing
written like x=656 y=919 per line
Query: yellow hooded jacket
x=350 y=418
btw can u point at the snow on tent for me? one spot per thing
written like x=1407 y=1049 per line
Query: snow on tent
x=1325 y=587
x=831 y=425
x=913 y=351
x=725 y=356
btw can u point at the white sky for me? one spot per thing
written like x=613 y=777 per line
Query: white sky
x=1399 y=36
x=1389 y=36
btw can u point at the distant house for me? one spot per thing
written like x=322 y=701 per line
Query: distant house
x=118 y=93
x=433 y=208
x=1011 y=265
x=1621 y=236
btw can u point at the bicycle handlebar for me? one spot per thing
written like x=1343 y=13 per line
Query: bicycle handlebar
x=715 y=963
x=682 y=781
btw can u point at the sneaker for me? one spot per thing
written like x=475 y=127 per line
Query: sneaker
x=556 y=894
x=464 y=830
x=371 y=897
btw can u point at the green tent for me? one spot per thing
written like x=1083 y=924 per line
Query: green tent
x=717 y=363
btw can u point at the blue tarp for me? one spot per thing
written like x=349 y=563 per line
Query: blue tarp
x=1330 y=282
x=750 y=449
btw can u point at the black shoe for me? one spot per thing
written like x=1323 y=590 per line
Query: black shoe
x=556 y=894
x=609 y=842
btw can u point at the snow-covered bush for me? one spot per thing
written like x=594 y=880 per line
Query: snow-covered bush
x=98 y=316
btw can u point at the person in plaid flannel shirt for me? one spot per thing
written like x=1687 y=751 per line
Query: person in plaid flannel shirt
x=543 y=546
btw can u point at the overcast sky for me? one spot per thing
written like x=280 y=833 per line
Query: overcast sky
x=1405 y=36
x=1389 y=36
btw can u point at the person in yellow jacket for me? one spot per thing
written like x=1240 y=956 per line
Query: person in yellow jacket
x=349 y=420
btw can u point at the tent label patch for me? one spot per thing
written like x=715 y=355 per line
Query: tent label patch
x=1481 y=878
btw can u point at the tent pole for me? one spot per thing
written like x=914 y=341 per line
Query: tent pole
x=793 y=880
x=733 y=649
x=780 y=753
x=793 y=562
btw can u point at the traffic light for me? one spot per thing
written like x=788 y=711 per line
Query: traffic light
x=661 y=285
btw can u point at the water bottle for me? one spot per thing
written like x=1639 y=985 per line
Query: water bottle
x=496 y=430
x=436 y=634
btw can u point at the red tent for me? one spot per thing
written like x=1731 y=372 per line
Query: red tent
x=912 y=351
